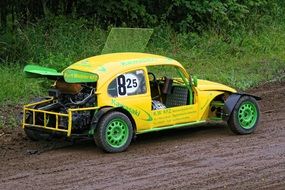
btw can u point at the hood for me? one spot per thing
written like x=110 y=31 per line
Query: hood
x=205 y=85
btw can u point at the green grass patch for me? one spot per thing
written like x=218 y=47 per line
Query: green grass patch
x=16 y=89
x=242 y=60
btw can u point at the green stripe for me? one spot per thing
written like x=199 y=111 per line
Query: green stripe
x=216 y=118
x=171 y=127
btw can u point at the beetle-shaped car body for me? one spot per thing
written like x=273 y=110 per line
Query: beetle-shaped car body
x=113 y=97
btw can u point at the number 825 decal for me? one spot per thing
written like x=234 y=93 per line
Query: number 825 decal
x=127 y=84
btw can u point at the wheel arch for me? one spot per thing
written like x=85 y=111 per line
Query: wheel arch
x=231 y=102
x=105 y=110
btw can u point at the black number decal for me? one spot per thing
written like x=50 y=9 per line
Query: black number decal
x=135 y=84
x=129 y=83
x=121 y=85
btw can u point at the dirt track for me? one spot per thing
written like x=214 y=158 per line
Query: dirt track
x=206 y=157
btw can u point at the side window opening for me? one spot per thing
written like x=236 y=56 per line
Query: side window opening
x=168 y=87
x=128 y=84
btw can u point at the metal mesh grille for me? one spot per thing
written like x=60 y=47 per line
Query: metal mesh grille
x=178 y=97
x=127 y=40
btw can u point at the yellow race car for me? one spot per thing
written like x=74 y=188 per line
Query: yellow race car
x=113 y=97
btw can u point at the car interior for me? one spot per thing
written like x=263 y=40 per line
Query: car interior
x=167 y=92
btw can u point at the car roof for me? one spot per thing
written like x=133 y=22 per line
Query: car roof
x=108 y=65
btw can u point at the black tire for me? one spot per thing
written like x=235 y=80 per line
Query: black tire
x=36 y=135
x=33 y=134
x=245 y=116
x=105 y=130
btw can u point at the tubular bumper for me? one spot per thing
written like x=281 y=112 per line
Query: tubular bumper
x=29 y=110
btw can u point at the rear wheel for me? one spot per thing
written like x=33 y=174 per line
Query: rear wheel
x=32 y=134
x=114 y=132
x=245 y=116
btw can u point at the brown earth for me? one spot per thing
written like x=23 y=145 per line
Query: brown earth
x=205 y=157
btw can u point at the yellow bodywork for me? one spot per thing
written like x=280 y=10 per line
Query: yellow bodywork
x=107 y=67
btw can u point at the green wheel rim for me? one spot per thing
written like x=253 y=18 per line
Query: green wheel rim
x=247 y=115
x=117 y=133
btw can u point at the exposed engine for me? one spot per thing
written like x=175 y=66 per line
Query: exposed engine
x=72 y=96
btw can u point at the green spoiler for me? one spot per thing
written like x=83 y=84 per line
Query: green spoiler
x=69 y=75
x=35 y=71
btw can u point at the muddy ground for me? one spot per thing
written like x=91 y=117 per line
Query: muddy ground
x=205 y=157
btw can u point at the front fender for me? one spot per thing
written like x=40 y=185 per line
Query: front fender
x=231 y=102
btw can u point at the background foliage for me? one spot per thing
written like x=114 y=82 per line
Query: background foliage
x=237 y=42
x=182 y=15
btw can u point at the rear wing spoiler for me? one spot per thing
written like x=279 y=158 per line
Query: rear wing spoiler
x=69 y=75
x=35 y=71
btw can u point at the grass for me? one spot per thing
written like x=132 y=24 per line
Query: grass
x=15 y=87
x=242 y=60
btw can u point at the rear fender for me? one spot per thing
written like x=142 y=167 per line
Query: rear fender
x=232 y=101
x=98 y=115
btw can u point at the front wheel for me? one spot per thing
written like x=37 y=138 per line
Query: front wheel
x=114 y=132
x=245 y=116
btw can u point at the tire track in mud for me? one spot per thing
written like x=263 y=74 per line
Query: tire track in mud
x=206 y=157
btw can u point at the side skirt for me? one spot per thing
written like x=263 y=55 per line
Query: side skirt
x=171 y=127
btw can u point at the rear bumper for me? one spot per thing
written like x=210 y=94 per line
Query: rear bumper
x=57 y=126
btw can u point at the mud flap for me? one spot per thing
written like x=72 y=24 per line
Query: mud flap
x=97 y=117
x=232 y=101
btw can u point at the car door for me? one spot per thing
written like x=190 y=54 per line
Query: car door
x=175 y=115
x=129 y=91
x=180 y=105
